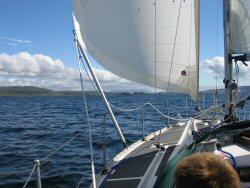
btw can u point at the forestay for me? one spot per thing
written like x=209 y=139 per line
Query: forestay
x=153 y=42
x=240 y=26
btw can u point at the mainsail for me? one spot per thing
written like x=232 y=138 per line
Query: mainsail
x=240 y=26
x=153 y=42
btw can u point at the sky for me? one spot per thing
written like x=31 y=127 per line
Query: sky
x=37 y=47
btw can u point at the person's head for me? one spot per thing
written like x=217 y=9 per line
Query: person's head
x=205 y=170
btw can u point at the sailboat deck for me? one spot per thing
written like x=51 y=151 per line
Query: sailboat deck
x=143 y=162
x=147 y=157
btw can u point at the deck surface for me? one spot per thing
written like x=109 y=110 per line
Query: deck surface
x=134 y=167
x=140 y=165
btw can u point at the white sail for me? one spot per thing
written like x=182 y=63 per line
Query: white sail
x=240 y=26
x=153 y=42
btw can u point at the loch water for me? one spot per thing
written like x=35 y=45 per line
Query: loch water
x=34 y=127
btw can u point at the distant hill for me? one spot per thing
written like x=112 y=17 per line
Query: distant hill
x=243 y=90
x=26 y=90
x=36 y=91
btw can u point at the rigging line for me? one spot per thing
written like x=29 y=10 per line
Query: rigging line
x=91 y=81
x=90 y=133
x=217 y=45
x=53 y=152
x=81 y=180
x=198 y=59
x=190 y=31
x=237 y=72
x=137 y=108
x=211 y=109
x=120 y=109
x=229 y=117
x=217 y=54
x=174 y=44
x=222 y=112
x=166 y=115
x=87 y=114
x=128 y=110
x=26 y=183
x=155 y=47
x=149 y=104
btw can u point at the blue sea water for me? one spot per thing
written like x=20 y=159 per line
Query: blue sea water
x=33 y=127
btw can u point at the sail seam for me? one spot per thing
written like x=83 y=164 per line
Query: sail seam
x=174 y=44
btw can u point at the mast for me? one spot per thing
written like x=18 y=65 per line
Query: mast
x=230 y=85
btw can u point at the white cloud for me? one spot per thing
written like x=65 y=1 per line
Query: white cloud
x=12 y=44
x=24 y=69
x=210 y=67
x=214 y=66
x=16 y=42
x=20 y=41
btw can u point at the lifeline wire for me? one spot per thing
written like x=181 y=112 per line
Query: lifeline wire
x=150 y=104
x=127 y=110
x=81 y=180
x=26 y=183
x=53 y=152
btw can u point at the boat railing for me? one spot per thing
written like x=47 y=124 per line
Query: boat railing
x=36 y=167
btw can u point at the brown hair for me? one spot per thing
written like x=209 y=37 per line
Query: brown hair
x=205 y=170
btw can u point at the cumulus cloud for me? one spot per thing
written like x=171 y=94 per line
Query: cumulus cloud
x=214 y=66
x=217 y=63
x=24 y=69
